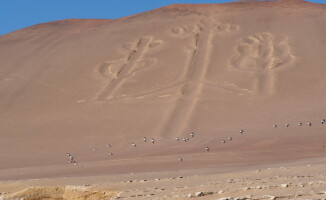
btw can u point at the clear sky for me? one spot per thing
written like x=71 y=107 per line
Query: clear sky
x=17 y=14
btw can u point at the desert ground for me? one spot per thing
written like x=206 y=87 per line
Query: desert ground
x=302 y=179
x=209 y=92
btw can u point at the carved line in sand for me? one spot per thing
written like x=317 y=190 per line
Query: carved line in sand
x=212 y=27
x=195 y=31
x=135 y=61
x=113 y=70
x=262 y=53
x=179 y=115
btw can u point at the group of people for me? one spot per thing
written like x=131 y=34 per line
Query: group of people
x=185 y=139
x=72 y=160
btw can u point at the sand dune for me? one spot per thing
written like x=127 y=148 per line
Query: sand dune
x=76 y=85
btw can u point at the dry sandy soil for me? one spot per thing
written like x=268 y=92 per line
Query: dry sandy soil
x=75 y=86
x=302 y=179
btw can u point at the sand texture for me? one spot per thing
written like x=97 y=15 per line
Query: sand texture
x=286 y=181
x=95 y=88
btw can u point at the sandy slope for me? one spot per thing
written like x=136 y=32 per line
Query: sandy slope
x=76 y=85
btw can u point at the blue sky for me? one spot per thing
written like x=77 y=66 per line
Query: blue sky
x=17 y=14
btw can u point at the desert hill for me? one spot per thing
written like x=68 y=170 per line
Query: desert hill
x=74 y=86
